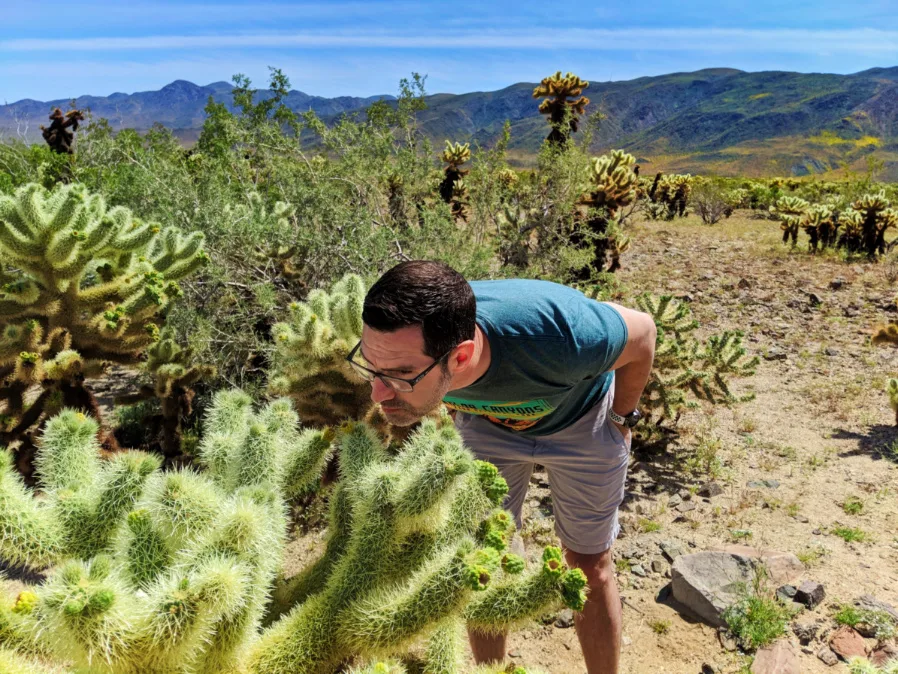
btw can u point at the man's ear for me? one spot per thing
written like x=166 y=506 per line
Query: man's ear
x=460 y=360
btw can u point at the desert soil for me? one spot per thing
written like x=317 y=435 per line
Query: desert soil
x=817 y=431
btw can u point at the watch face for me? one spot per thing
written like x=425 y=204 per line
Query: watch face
x=632 y=419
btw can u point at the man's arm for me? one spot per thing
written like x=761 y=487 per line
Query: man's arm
x=633 y=366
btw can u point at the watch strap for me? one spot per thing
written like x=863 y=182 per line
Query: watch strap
x=616 y=418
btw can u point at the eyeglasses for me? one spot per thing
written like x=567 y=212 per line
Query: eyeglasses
x=395 y=383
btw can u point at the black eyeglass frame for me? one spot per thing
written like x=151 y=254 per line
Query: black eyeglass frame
x=385 y=377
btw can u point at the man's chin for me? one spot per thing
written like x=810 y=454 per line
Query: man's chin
x=399 y=416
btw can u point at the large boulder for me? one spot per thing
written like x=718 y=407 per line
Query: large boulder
x=707 y=583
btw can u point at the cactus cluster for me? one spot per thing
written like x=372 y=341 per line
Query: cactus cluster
x=80 y=286
x=452 y=188
x=858 y=229
x=170 y=572
x=864 y=666
x=173 y=373
x=309 y=362
x=58 y=135
x=684 y=365
x=612 y=185
x=564 y=103
x=668 y=196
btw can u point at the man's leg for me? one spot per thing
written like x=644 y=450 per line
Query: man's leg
x=599 y=624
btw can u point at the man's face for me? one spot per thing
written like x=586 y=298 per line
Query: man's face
x=401 y=354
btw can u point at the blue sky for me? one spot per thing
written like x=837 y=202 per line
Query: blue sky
x=52 y=49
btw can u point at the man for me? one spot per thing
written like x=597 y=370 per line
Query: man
x=537 y=373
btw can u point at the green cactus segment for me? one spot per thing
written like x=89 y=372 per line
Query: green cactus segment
x=12 y=662
x=563 y=104
x=683 y=365
x=309 y=362
x=30 y=534
x=444 y=648
x=89 y=287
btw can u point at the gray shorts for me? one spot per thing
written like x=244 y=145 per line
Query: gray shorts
x=587 y=467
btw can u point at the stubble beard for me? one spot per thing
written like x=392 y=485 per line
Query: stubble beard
x=405 y=414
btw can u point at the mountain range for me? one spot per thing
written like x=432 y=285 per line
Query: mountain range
x=718 y=120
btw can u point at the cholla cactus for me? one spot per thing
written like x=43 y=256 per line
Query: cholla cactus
x=309 y=362
x=612 y=185
x=417 y=538
x=174 y=374
x=866 y=230
x=668 y=196
x=821 y=225
x=789 y=211
x=864 y=666
x=563 y=114
x=57 y=135
x=80 y=286
x=684 y=365
x=452 y=188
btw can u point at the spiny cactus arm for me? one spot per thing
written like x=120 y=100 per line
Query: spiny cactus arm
x=226 y=425
x=258 y=461
x=429 y=480
x=12 y=662
x=389 y=620
x=144 y=550
x=359 y=447
x=383 y=667
x=91 y=525
x=69 y=454
x=182 y=505
x=306 y=460
x=506 y=604
x=444 y=648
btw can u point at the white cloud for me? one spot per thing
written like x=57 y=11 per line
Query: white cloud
x=711 y=40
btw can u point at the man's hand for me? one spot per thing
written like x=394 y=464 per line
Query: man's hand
x=626 y=432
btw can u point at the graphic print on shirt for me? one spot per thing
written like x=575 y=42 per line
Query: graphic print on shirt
x=516 y=416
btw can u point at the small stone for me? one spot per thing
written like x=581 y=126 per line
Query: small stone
x=806 y=632
x=674 y=501
x=826 y=655
x=837 y=283
x=801 y=518
x=514 y=654
x=687 y=506
x=638 y=570
x=763 y=484
x=775 y=354
x=814 y=300
x=565 y=619
x=685 y=494
x=817 y=532
x=727 y=641
x=829 y=351
x=659 y=566
x=626 y=641
x=810 y=594
x=685 y=298
x=847 y=643
x=785 y=593
x=671 y=550
x=744 y=284
x=708 y=669
x=710 y=490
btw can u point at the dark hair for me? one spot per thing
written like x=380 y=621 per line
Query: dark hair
x=426 y=293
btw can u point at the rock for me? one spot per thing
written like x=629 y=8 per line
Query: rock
x=708 y=669
x=763 y=484
x=775 y=354
x=837 y=283
x=829 y=351
x=710 y=490
x=847 y=643
x=674 y=501
x=659 y=566
x=801 y=518
x=514 y=654
x=744 y=284
x=827 y=656
x=685 y=494
x=806 y=632
x=870 y=603
x=727 y=641
x=686 y=506
x=708 y=582
x=883 y=654
x=626 y=641
x=777 y=658
x=785 y=593
x=671 y=550
x=638 y=570
x=565 y=619
x=810 y=594
x=814 y=300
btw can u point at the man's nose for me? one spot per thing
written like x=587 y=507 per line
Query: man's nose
x=380 y=391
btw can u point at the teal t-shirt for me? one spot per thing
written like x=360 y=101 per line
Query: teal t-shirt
x=551 y=350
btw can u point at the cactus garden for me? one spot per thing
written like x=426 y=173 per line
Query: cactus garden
x=194 y=480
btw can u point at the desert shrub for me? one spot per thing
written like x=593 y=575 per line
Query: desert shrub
x=757 y=618
x=712 y=202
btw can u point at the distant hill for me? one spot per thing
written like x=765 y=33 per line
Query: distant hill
x=716 y=120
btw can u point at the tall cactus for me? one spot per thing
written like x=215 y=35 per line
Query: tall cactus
x=612 y=185
x=873 y=219
x=789 y=211
x=80 y=286
x=563 y=104
x=452 y=188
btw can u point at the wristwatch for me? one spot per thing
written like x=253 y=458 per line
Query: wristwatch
x=629 y=421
